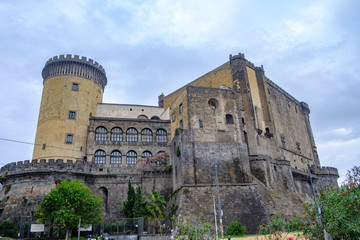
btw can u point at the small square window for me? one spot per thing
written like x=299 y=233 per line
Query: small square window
x=75 y=87
x=180 y=108
x=69 y=139
x=71 y=114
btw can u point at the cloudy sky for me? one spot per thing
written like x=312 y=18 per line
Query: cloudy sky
x=310 y=48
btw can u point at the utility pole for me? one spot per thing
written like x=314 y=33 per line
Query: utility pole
x=218 y=193
x=79 y=229
x=216 y=231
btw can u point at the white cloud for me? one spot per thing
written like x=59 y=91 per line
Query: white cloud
x=340 y=154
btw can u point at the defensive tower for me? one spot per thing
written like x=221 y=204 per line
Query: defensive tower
x=72 y=88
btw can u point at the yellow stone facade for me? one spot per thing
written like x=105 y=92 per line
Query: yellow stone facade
x=70 y=97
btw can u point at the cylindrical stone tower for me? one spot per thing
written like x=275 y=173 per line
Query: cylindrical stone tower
x=72 y=89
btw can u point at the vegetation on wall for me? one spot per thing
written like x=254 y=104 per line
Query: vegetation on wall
x=178 y=151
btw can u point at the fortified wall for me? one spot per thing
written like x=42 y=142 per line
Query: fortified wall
x=26 y=183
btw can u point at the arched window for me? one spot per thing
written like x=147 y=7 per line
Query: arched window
x=213 y=103
x=146 y=135
x=100 y=134
x=116 y=134
x=115 y=157
x=155 y=118
x=142 y=116
x=229 y=119
x=161 y=152
x=131 y=158
x=146 y=154
x=99 y=157
x=131 y=135
x=161 y=136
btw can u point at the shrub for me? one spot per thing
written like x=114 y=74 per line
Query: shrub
x=236 y=228
x=7 y=229
x=336 y=210
x=178 y=151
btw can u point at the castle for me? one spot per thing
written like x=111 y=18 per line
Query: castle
x=258 y=134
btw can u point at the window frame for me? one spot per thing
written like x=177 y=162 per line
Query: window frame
x=131 y=159
x=75 y=87
x=69 y=138
x=72 y=115
x=132 y=136
x=229 y=119
x=161 y=136
x=100 y=159
x=146 y=154
x=146 y=135
x=116 y=157
x=116 y=136
x=101 y=136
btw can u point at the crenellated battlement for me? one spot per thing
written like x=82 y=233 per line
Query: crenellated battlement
x=74 y=65
x=61 y=165
x=70 y=57
x=286 y=94
x=41 y=165
x=324 y=170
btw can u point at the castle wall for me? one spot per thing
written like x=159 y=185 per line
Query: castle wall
x=239 y=202
x=177 y=115
x=291 y=133
x=220 y=76
x=27 y=183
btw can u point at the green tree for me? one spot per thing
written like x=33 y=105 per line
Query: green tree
x=155 y=206
x=127 y=209
x=139 y=205
x=336 y=210
x=67 y=203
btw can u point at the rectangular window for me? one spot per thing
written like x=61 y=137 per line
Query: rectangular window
x=181 y=124
x=173 y=117
x=201 y=124
x=43 y=146
x=69 y=139
x=71 y=115
x=180 y=108
x=298 y=146
x=75 y=87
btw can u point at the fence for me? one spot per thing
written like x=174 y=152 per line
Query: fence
x=111 y=229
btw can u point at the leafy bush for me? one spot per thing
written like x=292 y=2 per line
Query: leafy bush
x=196 y=230
x=236 y=228
x=296 y=225
x=336 y=210
x=7 y=229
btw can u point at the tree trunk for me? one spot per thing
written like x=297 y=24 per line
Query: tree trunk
x=68 y=234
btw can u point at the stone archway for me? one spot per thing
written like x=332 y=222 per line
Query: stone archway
x=103 y=192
